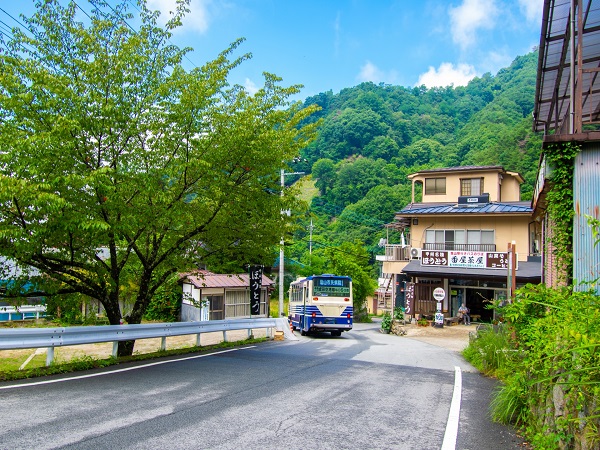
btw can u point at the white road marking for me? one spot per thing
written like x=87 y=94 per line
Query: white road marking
x=38 y=351
x=126 y=369
x=453 y=416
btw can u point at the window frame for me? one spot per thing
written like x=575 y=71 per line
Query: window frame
x=436 y=188
x=466 y=187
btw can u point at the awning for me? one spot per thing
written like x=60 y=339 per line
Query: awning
x=528 y=272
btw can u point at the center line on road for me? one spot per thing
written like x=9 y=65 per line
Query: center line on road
x=126 y=369
x=452 y=425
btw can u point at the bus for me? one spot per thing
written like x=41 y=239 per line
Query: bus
x=321 y=303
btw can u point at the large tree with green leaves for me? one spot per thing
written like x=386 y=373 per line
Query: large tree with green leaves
x=118 y=165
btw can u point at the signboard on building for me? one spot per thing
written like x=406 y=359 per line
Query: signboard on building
x=409 y=297
x=473 y=260
x=255 y=288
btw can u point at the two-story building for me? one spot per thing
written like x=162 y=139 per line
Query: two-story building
x=457 y=233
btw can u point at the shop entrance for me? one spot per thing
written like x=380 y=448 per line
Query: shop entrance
x=477 y=301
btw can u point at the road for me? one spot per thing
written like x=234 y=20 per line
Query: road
x=362 y=390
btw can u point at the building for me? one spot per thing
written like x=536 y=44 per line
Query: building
x=567 y=112
x=211 y=296
x=457 y=234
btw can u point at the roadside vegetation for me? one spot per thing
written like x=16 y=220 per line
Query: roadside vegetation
x=546 y=353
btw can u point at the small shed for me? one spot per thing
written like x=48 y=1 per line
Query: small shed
x=212 y=296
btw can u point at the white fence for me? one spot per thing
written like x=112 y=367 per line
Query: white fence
x=9 y=313
x=18 y=338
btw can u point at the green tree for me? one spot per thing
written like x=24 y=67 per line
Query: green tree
x=323 y=171
x=351 y=259
x=120 y=166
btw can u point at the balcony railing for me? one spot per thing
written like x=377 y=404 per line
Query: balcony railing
x=460 y=247
x=397 y=253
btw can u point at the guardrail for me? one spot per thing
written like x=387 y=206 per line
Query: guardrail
x=19 y=338
x=22 y=312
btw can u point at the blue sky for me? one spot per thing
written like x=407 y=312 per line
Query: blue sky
x=333 y=44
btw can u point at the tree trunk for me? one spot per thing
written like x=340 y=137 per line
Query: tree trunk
x=125 y=348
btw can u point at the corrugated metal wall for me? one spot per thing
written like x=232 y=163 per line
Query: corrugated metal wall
x=586 y=196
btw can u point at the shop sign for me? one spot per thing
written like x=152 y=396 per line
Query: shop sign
x=255 y=288
x=497 y=260
x=409 y=296
x=474 y=260
x=434 y=258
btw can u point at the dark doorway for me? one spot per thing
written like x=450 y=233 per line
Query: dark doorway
x=477 y=302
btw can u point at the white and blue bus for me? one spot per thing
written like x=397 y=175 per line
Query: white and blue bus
x=321 y=303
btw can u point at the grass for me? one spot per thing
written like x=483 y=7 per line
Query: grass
x=274 y=307
x=308 y=190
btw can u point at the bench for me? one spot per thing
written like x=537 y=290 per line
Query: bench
x=448 y=321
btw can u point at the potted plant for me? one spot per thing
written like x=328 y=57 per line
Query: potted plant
x=422 y=322
x=386 y=323
x=399 y=313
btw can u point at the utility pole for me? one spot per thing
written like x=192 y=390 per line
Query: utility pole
x=281 y=245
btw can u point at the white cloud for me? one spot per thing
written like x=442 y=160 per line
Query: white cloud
x=250 y=86
x=447 y=75
x=494 y=61
x=337 y=28
x=196 y=20
x=532 y=9
x=468 y=18
x=370 y=72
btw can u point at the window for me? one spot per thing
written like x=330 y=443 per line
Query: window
x=471 y=186
x=216 y=307
x=444 y=239
x=464 y=240
x=435 y=186
x=480 y=236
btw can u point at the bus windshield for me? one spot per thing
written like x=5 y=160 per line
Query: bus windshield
x=331 y=287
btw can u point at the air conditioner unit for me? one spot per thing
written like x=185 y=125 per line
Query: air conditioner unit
x=415 y=253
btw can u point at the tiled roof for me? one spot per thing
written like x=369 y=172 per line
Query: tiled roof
x=461 y=169
x=481 y=208
x=205 y=279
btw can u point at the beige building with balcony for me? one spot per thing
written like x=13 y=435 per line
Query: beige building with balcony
x=457 y=234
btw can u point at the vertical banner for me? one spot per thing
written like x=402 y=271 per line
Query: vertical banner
x=409 y=296
x=255 y=288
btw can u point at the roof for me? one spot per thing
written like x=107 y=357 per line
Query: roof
x=414 y=209
x=458 y=169
x=204 y=279
x=527 y=272
x=553 y=87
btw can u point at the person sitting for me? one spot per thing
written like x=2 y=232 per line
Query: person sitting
x=463 y=314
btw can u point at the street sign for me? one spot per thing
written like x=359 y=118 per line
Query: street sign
x=439 y=294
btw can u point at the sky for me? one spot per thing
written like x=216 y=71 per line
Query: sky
x=335 y=44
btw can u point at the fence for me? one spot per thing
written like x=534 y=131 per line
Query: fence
x=19 y=338
x=9 y=313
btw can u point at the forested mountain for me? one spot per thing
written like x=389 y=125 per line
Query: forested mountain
x=373 y=136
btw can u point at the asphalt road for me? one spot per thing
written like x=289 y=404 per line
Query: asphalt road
x=364 y=390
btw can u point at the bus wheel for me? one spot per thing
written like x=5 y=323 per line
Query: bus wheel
x=336 y=333
x=303 y=333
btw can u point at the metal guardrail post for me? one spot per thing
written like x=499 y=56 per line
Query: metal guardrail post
x=49 y=356
x=198 y=339
x=224 y=336
x=115 y=350
x=163 y=343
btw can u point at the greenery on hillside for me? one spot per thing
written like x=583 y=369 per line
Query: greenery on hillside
x=373 y=136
